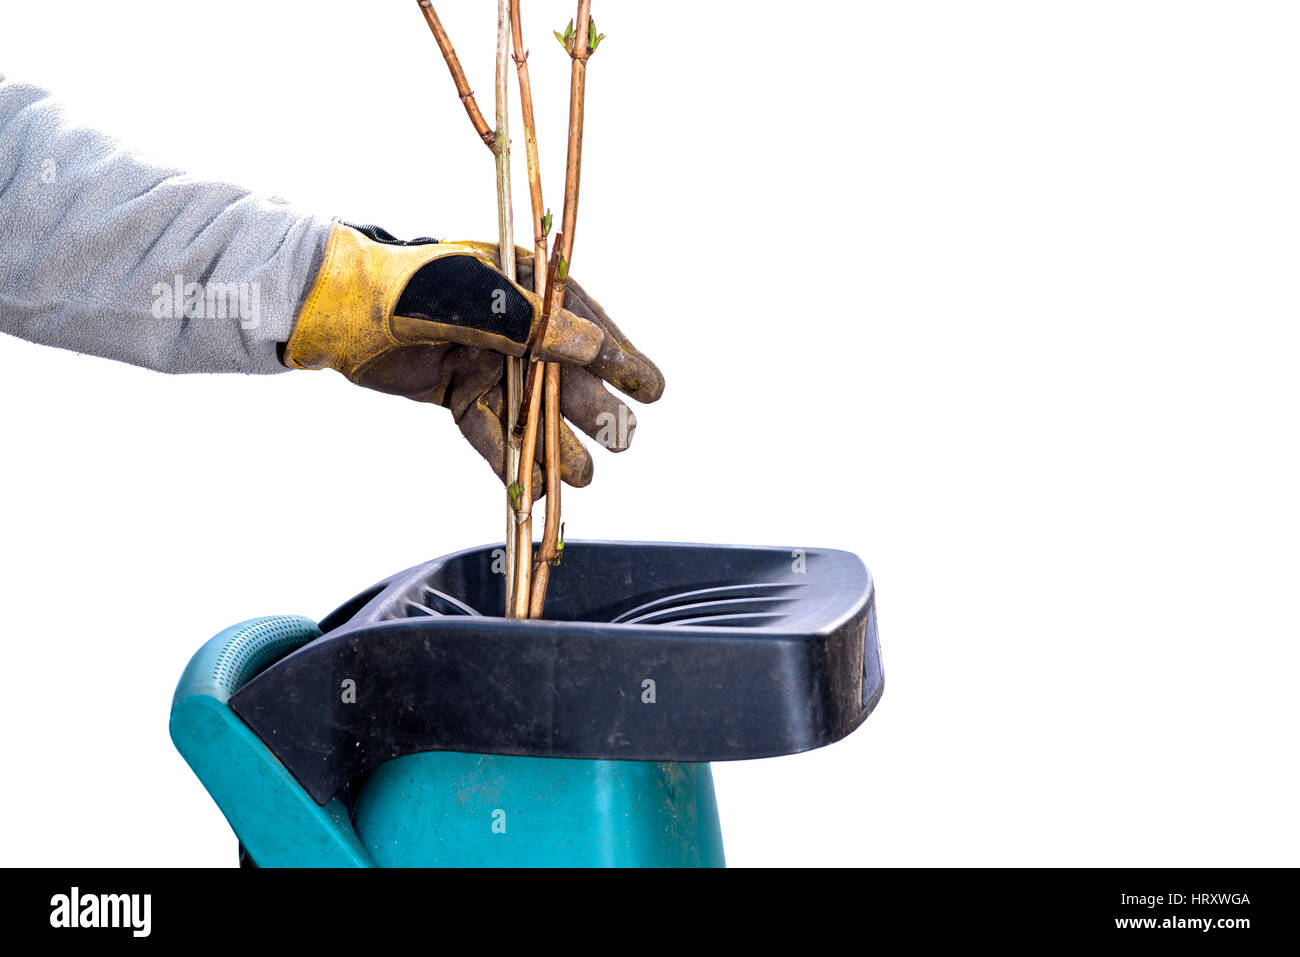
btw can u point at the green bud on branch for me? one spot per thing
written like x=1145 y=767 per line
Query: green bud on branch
x=559 y=548
x=566 y=37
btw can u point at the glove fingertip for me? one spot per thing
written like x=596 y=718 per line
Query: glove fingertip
x=648 y=387
x=578 y=477
x=570 y=338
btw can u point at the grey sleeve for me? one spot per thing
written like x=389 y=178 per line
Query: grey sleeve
x=104 y=253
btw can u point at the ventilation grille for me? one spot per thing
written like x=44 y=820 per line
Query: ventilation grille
x=436 y=603
x=736 y=605
x=741 y=605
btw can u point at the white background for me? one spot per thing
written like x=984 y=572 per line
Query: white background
x=1000 y=296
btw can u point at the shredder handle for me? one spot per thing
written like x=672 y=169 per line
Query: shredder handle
x=273 y=817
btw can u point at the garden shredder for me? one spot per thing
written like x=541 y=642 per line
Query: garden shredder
x=411 y=728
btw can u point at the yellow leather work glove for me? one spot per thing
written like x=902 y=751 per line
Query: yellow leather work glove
x=433 y=321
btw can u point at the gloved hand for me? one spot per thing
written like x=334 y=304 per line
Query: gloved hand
x=433 y=321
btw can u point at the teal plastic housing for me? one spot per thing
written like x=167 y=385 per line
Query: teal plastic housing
x=436 y=809
x=483 y=810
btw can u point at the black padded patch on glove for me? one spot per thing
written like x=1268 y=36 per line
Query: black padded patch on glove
x=462 y=291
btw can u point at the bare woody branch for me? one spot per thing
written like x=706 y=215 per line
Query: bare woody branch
x=515 y=542
x=548 y=551
x=457 y=74
x=530 y=405
x=530 y=148
x=579 y=51
x=580 y=48
x=524 y=429
x=526 y=405
x=498 y=141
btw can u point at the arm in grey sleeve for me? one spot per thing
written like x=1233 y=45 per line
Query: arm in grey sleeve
x=103 y=253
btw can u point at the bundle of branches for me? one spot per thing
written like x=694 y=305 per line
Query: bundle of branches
x=532 y=386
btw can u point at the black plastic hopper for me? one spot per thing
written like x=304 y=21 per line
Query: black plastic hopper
x=649 y=651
